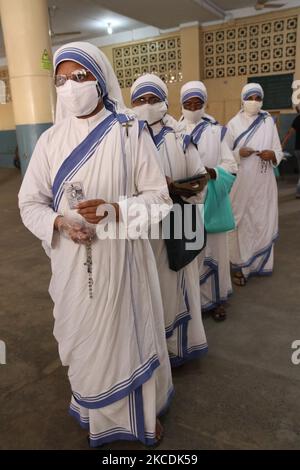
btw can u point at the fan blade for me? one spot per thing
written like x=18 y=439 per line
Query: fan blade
x=73 y=33
x=261 y=6
x=274 y=5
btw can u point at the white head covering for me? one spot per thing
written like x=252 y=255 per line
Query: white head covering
x=149 y=83
x=92 y=59
x=252 y=89
x=195 y=89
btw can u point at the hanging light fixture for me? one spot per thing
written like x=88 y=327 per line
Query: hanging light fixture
x=109 y=28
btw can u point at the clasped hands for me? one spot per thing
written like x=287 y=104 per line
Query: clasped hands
x=266 y=155
x=74 y=229
x=82 y=230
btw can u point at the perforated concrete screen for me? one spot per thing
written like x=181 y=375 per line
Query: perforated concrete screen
x=162 y=57
x=260 y=48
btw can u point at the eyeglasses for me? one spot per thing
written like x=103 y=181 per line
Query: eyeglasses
x=142 y=100
x=193 y=105
x=254 y=98
x=77 y=75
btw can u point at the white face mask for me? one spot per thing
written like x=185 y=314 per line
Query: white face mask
x=79 y=98
x=252 y=107
x=193 y=117
x=151 y=113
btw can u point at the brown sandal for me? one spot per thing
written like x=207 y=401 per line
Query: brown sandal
x=219 y=313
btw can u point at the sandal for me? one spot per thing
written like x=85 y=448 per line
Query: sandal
x=219 y=313
x=239 y=279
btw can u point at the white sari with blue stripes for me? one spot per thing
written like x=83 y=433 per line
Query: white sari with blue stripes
x=113 y=344
x=185 y=333
x=214 y=262
x=254 y=195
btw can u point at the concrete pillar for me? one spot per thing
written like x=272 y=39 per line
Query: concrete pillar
x=190 y=51
x=25 y=28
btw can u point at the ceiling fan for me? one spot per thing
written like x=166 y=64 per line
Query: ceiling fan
x=52 y=10
x=261 y=4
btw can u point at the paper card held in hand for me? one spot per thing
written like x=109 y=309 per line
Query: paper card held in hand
x=74 y=193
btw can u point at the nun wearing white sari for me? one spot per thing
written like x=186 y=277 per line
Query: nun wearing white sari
x=253 y=136
x=107 y=304
x=185 y=333
x=208 y=136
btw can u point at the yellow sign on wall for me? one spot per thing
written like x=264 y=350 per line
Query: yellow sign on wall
x=46 y=63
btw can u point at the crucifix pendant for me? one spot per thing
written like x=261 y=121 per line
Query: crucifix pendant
x=127 y=125
x=89 y=265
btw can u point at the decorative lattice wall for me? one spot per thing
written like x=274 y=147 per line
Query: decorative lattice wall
x=4 y=78
x=260 y=48
x=162 y=57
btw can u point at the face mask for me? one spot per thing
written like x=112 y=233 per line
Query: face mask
x=79 y=98
x=252 y=107
x=151 y=113
x=193 y=117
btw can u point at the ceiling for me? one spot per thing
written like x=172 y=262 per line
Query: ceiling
x=90 y=17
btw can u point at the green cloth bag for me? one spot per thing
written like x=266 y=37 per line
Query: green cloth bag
x=218 y=216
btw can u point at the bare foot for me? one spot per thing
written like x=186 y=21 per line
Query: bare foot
x=239 y=279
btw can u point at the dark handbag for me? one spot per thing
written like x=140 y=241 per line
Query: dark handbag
x=198 y=182
x=179 y=254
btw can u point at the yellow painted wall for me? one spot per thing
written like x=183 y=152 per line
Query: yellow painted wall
x=223 y=93
x=7 y=121
x=190 y=56
x=190 y=53
x=224 y=97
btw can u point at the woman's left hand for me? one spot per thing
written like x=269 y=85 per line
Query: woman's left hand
x=88 y=209
x=267 y=155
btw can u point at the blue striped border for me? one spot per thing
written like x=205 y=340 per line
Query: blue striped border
x=120 y=390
